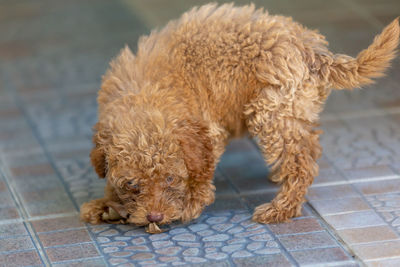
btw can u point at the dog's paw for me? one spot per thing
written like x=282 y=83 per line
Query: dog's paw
x=268 y=213
x=92 y=212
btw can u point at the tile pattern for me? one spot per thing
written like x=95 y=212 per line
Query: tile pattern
x=46 y=114
x=218 y=236
x=388 y=206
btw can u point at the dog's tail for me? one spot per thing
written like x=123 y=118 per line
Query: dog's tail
x=348 y=72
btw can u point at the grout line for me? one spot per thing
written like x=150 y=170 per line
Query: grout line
x=77 y=260
x=339 y=213
x=314 y=248
x=70 y=245
x=374 y=242
x=331 y=264
x=385 y=258
x=17 y=251
x=36 y=218
x=302 y=233
x=357 y=181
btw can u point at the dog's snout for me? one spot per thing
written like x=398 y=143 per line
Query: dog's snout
x=155 y=217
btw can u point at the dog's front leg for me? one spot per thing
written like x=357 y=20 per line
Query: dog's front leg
x=106 y=209
x=290 y=146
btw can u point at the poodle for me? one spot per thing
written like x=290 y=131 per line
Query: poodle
x=217 y=73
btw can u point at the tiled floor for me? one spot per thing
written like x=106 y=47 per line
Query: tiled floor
x=52 y=56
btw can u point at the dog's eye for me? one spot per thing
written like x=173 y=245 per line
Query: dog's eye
x=170 y=179
x=132 y=186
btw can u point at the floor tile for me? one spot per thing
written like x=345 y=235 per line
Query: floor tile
x=331 y=192
x=16 y=243
x=381 y=171
x=87 y=263
x=63 y=223
x=354 y=220
x=270 y=260
x=254 y=200
x=320 y=255
x=14 y=229
x=341 y=205
x=386 y=249
x=34 y=170
x=307 y=241
x=226 y=202
x=296 y=226
x=80 y=251
x=368 y=234
x=23 y=258
x=384 y=263
x=328 y=176
x=8 y=213
x=379 y=187
x=64 y=237
x=246 y=169
x=45 y=202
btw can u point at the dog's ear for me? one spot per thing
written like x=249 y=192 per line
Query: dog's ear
x=97 y=155
x=198 y=150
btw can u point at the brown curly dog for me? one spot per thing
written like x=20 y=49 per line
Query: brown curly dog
x=219 y=72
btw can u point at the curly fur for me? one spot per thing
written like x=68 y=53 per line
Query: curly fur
x=219 y=72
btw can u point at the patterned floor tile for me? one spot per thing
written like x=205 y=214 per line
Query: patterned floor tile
x=212 y=237
x=388 y=206
x=362 y=142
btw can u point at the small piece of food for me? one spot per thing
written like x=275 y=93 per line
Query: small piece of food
x=111 y=215
x=153 y=228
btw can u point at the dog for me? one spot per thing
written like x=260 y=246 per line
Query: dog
x=217 y=73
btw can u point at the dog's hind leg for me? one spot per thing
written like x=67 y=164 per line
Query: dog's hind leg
x=290 y=146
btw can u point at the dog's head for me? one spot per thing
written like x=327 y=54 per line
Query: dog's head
x=161 y=171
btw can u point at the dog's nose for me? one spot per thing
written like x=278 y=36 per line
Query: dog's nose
x=155 y=216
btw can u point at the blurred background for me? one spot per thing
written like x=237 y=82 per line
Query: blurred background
x=52 y=57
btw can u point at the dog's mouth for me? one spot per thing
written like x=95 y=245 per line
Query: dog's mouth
x=153 y=228
x=117 y=214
